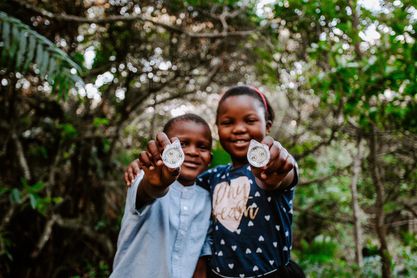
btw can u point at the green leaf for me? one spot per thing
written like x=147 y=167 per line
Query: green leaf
x=21 y=51
x=44 y=62
x=97 y=122
x=30 y=53
x=37 y=187
x=15 y=196
x=57 y=200
x=14 y=43
x=33 y=201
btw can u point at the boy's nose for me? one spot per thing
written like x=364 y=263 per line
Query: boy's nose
x=191 y=150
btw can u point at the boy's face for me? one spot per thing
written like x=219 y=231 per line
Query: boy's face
x=195 y=141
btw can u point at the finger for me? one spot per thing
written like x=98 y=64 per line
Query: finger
x=268 y=140
x=278 y=154
x=126 y=178
x=154 y=151
x=287 y=166
x=162 y=140
x=135 y=166
x=145 y=159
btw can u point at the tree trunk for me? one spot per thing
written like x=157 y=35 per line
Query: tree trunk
x=355 y=204
x=379 y=205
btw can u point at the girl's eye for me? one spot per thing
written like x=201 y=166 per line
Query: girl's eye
x=251 y=120
x=183 y=144
x=203 y=147
x=226 y=122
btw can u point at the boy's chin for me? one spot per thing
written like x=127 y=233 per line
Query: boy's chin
x=187 y=179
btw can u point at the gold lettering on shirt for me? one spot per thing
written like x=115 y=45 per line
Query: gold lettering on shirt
x=230 y=203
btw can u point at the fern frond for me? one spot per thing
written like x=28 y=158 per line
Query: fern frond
x=21 y=47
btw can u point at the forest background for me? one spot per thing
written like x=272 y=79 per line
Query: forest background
x=85 y=84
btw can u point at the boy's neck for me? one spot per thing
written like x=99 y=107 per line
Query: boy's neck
x=186 y=182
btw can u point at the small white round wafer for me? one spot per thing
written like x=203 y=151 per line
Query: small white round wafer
x=173 y=156
x=258 y=154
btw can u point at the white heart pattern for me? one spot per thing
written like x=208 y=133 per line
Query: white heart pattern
x=231 y=266
x=229 y=202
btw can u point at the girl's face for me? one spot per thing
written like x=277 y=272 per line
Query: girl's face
x=240 y=119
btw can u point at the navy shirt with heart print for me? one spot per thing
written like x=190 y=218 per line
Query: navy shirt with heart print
x=252 y=226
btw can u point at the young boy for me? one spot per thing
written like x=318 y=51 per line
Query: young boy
x=167 y=217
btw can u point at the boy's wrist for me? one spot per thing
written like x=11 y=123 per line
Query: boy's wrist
x=153 y=191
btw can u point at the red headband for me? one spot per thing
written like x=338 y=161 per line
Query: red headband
x=262 y=97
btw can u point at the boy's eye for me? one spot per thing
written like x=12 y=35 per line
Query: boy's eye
x=203 y=147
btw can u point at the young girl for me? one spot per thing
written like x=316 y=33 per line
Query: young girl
x=252 y=207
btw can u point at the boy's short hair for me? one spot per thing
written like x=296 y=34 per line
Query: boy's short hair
x=186 y=117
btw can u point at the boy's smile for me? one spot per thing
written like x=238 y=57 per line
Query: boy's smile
x=195 y=141
x=240 y=119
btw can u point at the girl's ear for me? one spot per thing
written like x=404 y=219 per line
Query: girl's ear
x=268 y=126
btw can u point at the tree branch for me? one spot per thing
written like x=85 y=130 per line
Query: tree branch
x=21 y=156
x=324 y=178
x=142 y=18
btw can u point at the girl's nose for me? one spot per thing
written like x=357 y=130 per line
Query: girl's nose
x=239 y=128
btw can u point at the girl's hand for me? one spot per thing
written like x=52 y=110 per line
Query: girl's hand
x=131 y=172
x=278 y=173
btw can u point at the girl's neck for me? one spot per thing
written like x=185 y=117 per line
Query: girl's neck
x=237 y=163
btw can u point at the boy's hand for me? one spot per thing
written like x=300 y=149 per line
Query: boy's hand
x=279 y=170
x=157 y=175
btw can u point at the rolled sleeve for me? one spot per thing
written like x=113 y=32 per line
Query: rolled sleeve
x=131 y=197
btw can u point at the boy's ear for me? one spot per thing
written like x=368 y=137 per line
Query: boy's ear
x=268 y=126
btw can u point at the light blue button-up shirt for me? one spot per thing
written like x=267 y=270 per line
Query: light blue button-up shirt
x=166 y=238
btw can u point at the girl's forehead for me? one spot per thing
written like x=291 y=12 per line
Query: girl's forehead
x=241 y=102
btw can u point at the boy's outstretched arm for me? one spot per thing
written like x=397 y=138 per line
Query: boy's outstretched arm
x=281 y=170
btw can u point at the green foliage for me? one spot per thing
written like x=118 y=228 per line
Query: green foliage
x=68 y=131
x=21 y=46
x=220 y=156
x=322 y=250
